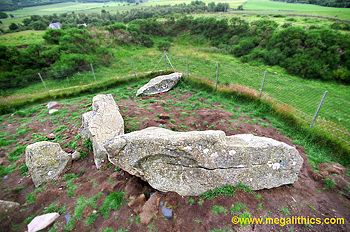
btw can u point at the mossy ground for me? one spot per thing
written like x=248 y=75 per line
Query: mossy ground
x=96 y=199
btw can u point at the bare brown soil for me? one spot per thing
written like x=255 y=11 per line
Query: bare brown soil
x=306 y=197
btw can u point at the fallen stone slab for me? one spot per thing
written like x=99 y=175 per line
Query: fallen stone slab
x=159 y=84
x=45 y=161
x=194 y=162
x=101 y=124
x=42 y=221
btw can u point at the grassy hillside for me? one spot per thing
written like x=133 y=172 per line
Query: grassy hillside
x=22 y=38
x=219 y=90
x=302 y=94
x=88 y=195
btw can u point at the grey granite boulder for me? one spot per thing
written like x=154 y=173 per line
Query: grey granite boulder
x=45 y=161
x=159 y=84
x=102 y=123
x=85 y=128
x=191 y=163
x=7 y=208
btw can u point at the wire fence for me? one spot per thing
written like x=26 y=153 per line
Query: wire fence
x=314 y=104
x=304 y=96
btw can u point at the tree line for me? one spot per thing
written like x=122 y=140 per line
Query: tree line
x=9 y=5
x=72 y=19
x=64 y=53
x=312 y=53
x=330 y=3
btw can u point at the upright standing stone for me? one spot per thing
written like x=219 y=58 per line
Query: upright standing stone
x=191 y=163
x=101 y=124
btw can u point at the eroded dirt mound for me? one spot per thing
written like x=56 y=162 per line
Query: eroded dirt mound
x=88 y=199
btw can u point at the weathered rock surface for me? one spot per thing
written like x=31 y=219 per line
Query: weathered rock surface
x=42 y=221
x=45 y=161
x=75 y=155
x=137 y=203
x=85 y=128
x=7 y=208
x=101 y=124
x=149 y=209
x=159 y=84
x=51 y=136
x=191 y=163
x=53 y=105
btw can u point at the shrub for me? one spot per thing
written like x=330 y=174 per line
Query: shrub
x=52 y=36
x=3 y=15
x=38 y=25
x=13 y=27
x=244 y=46
x=164 y=45
x=66 y=52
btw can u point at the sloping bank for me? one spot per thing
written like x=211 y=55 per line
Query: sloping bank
x=12 y=103
x=318 y=134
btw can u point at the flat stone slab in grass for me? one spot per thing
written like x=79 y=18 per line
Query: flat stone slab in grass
x=45 y=161
x=159 y=84
x=194 y=162
x=102 y=123
x=41 y=222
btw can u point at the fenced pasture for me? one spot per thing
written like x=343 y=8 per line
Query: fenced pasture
x=251 y=8
x=300 y=96
x=275 y=7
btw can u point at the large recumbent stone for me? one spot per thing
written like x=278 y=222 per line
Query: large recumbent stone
x=191 y=163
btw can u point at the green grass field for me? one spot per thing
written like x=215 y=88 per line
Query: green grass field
x=304 y=95
x=300 y=93
x=274 y=7
x=97 y=7
x=22 y=38
x=251 y=8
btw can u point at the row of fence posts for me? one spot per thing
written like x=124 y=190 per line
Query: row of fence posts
x=48 y=90
x=262 y=85
x=217 y=75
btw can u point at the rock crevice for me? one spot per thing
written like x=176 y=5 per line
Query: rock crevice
x=191 y=163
